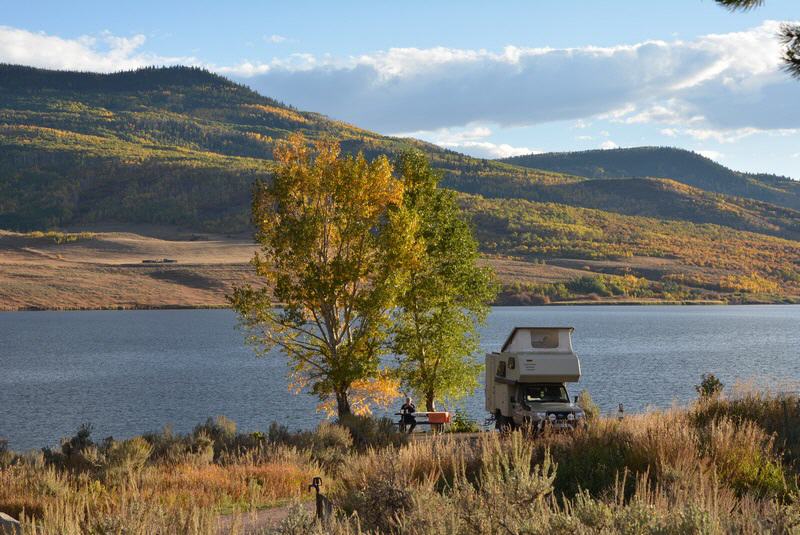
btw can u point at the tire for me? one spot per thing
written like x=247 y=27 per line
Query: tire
x=503 y=423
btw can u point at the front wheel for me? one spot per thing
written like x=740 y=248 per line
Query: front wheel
x=503 y=423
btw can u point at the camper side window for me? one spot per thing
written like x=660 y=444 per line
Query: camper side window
x=512 y=362
x=501 y=368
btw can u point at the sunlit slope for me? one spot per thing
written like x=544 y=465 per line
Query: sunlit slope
x=181 y=146
x=170 y=146
x=665 y=162
x=671 y=253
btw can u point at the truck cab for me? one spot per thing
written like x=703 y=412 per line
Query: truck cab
x=526 y=382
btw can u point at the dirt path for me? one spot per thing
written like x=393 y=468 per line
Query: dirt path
x=256 y=521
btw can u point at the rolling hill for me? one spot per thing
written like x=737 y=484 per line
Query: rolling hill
x=176 y=149
x=666 y=162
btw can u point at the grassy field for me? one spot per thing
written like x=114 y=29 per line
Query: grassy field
x=104 y=269
x=721 y=465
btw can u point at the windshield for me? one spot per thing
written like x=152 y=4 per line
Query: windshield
x=545 y=393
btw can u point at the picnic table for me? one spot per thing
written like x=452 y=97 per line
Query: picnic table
x=435 y=419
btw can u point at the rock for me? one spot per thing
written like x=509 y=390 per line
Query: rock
x=9 y=526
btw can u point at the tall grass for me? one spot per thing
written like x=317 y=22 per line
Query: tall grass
x=723 y=465
x=159 y=483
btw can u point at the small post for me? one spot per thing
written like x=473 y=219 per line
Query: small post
x=316 y=483
x=621 y=412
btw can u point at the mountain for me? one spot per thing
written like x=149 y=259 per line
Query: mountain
x=179 y=148
x=665 y=162
x=173 y=145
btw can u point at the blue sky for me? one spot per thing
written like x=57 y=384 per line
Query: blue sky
x=486 y=78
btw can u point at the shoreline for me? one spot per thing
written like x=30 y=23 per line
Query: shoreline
x=587 y=303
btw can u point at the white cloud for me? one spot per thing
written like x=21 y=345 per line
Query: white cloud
x=711 y=154
x=102 y=53
x=471 y=140
x=608 y=144
x=275 y=39
x=735 y=134
x=487 y=149
x=720 y=88
x=721 y=82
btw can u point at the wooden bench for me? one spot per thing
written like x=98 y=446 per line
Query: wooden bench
x=435 y=419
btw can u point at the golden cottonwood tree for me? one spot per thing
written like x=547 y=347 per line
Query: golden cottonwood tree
x=335 y=240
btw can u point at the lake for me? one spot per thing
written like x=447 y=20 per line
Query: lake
x=129 y=372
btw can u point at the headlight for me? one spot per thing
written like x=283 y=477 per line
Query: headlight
x=552 y=417
x=580 y=414
x=570 y=416
x=540 y=415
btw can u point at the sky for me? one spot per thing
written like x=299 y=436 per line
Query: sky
x=491 y=79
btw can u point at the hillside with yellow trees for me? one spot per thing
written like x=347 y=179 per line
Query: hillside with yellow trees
x=170 y=155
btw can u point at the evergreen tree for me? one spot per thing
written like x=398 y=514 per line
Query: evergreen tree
x=790 y=35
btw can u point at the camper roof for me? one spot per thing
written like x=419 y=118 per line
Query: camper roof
x=533 y=330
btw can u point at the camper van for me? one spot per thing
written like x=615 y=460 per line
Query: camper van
x=526 y=380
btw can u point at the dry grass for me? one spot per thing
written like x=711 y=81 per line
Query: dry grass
x=719 y=466
x=140 y=486
x=103 y=270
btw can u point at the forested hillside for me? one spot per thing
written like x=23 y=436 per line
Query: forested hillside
x=665 y=162
x=180 y=147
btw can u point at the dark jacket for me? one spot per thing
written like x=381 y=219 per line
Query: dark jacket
x=408 y=409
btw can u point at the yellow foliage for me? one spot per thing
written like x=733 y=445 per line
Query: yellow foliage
x=366 y=394
x=280 y=112
x=752 y=283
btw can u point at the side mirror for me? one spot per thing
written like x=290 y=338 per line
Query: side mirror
x=513 y=399
x=575 y=399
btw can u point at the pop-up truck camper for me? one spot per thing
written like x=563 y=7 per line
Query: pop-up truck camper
x=526 y=380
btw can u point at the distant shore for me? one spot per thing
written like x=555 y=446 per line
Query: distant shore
x=556 y=304
x=118 y=270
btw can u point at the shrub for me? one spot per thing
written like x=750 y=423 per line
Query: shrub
x=462 y=423
x=222 y=433
x=278 y=433
x=709 y=387
x=744 y=458
x=587 y=404
x=123 y=460
x=589 y=285
x=6 y=456
x=370 y=432
x=775 y=413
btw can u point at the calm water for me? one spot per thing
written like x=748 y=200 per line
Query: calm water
x=129 y=372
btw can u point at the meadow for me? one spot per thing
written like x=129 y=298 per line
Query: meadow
x=721 y=465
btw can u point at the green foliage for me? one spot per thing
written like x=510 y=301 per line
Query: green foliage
x=370 y=432
x=777 y=414
x=61 y=237
x=183 y=147
x=664 y=162
x=710 y=387
x=587 y=404
x=740 y=4
x=699 y=253
x=462 y=423
x=447 y=295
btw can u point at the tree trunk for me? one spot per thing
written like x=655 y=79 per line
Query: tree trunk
x=342 y=404
x=430 y=404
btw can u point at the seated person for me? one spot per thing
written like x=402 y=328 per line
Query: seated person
x=407 y=419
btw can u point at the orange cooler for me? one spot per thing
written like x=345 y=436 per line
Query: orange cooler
x=439 y=417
